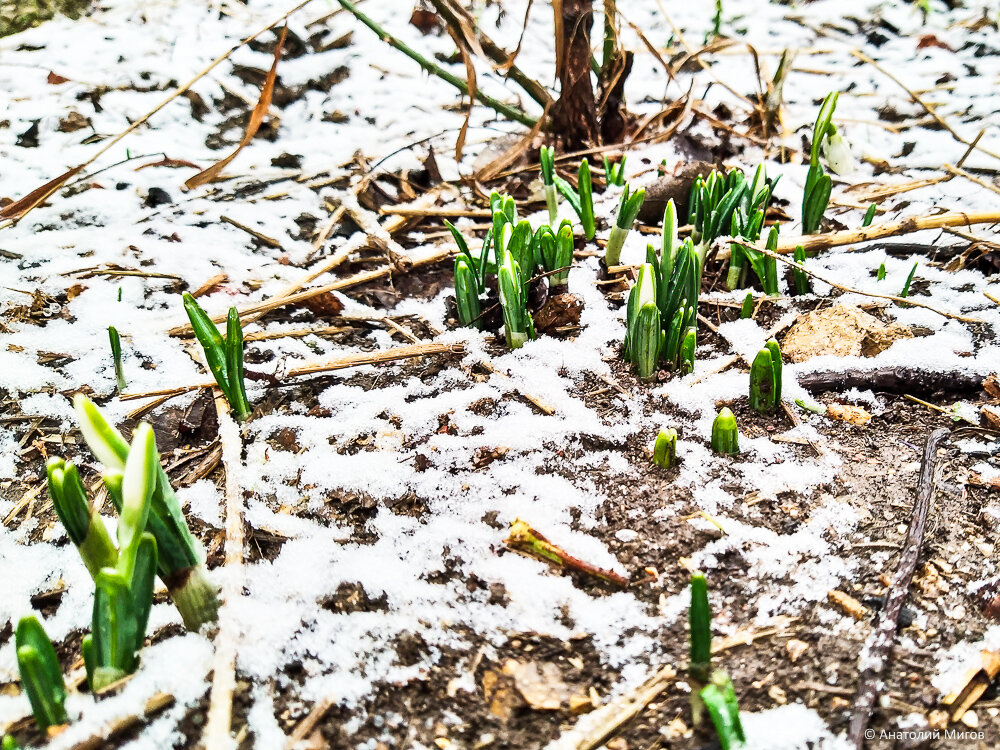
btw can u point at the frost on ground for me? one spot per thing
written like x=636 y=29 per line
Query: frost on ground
x=397 y=483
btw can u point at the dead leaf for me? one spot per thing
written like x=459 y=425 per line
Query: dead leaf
x=991 y=416
x=55 y=79
x=847 y=413
x=841 y=330
x=992 y=386
x=256 y=118
x=19 y=208
x=541 y=685
x=558 y=311
x=929 y=40
x=425 y=20
x=511 y=155
x=322 y=304
x=72 y=122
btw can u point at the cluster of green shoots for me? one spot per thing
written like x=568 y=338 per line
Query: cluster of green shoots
x=662 y=305
x=581 y=199
x=711 y=689
x=151 y=537
x=223 y=355
x=517 y=252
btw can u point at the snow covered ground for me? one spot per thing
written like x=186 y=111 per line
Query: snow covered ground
x=364 y=429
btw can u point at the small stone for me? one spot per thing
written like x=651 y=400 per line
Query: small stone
x=937 y=719
x=777 y=695
x=970 y=719
x=796 y=648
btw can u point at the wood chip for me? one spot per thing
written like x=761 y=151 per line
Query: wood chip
x=848 y=604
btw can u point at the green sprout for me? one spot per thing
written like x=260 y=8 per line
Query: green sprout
x=801 y=278
x=9 y=743
x=816 y=196
x=467 y=294
x=468 y=281
x=614 y=174
x=124 y=593
x=644 y=338
x=546 y=157
x=665 y=448
x=180 y=561
x=869 y=216
x=518 y=325
x=719 y=697
x=746 y=309
x=674 y=281
x=725 y=438
x=41 y=676
x=517 y=240
x=716 y=22
x=880 y=274
x=711 y=205
x=83 y=523
x=223 y=355
x=688 y=345
x=700 y=622
x=909 y=280
x=765 y=266
x=628 y=210
x=678 y=286
x=116 y=355
x=747 y=221
x=553 y=251
x=765 y=379
x=581 y=199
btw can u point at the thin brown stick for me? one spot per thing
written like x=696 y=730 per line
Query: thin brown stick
x=220 y=707
x=118 y=727
x=893 y=298
x=173 y=95
x=595 y=729
x=292 y=299
x=435 y=212
x=353 y=360
x=263 y=238
x=879 y=645
x=916 y=97
x=376 y=358
x=959 y=172
x=811 y=242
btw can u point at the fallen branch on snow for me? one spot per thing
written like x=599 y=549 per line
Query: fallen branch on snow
x=875 y=653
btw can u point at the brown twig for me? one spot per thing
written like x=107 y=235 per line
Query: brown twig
x=220 y=708
x=353 y=360
x=281 y=300
x=811 y=242
x=891 y=380
x=876 y=651
x=898 y=300
x=173 y=95
x=262 y=238
x=916 y=97
x=120 y=726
